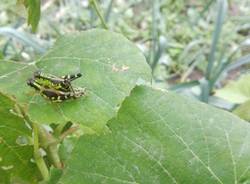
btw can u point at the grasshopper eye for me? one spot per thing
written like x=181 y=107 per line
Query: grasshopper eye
x=31 y=82
x=78 y=75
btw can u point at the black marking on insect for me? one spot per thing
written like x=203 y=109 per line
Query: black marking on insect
x=72 y=76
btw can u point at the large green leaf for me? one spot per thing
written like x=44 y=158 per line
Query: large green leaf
x=161 y=137
x=110 y=64
x=15 y=152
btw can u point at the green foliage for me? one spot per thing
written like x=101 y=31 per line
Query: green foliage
x=16 y=151
x=236 y=91
x=22 y=38
x=147 y=141
x=33 y=8
x=243 y=111
x=208 y=85
x=107 y=62
x=152 y=143
x=175 y=36
x=152 y=136
x=97 y=9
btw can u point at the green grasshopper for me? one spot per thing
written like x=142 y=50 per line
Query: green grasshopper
x=55 y=95
x=59 y=83
x=55 y=88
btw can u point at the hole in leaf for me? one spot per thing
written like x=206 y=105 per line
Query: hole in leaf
x=22 y=140
x=32 y=160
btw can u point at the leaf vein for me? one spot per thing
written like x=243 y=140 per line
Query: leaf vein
x=151 y=157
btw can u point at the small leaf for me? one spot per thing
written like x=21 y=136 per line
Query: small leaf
x=15 y=158
x=243 y=111
x=161 y=137
x=236 y=91
x=33 y=8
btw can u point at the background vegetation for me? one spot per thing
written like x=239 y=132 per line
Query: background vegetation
x=198 y=48
x=194 y=47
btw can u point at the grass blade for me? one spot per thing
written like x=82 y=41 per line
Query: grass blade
x=207 y=87
x=95 y=6
x=242 y=61
x=154 y=33
x=216 y=35
x=108 y=11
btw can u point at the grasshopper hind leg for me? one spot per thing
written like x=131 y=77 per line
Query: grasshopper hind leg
x=55 y=96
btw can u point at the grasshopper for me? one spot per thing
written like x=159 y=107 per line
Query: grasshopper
x=59 y=83
x=56 y=89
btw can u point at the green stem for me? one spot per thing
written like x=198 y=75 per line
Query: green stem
x=37 y=156
x=154 y=33
x=50 y=144
x=53 y=155
x=108 y=12
x=94 y=4
x=216 y=35
x=211 y=58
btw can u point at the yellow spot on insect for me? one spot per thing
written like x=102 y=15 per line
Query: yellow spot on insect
x=7 y=167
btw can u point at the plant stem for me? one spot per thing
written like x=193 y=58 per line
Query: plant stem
x=37 y=156
x=53 y=155
x=207 y=85
x=154 y=34
x=108 y=12
x=216 y=35
x=95 y=6
x=50 y=144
